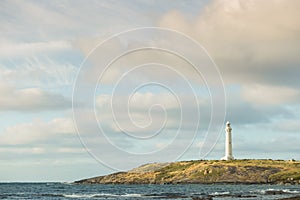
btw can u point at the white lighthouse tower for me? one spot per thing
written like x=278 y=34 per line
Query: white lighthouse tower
x=228 y=143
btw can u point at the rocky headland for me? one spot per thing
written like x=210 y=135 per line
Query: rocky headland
x=207 y=172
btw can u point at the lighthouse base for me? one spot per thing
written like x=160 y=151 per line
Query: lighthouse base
x=227 y=158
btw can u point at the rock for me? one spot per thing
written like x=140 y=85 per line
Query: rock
x=274 y=192
x=202 y=198
x=248 y=196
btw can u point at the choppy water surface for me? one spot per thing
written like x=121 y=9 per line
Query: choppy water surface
x=75 y=191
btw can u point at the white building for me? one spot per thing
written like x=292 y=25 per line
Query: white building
x=228 y=143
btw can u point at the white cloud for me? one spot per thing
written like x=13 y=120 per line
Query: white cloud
x=71 y=150
x=269 y=95
x=37 y=72
x=10 y=49
x=147 y=112
x=23 y=150
x=30 y=99
x=143 y=112
x=251 y=41
x=39 y=20
x=255 y=44
x=146 y=64
x=37 y=132
x=140 y=100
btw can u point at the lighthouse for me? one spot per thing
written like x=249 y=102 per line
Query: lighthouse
x=228 y=143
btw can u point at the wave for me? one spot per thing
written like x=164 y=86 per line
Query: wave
x=291 y=191
x=78 y=196
x=220 y=193
x=67 y=183
x=276 y=191
x=100 y=195
x=131 y=195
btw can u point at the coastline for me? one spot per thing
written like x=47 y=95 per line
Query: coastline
x=245 y=171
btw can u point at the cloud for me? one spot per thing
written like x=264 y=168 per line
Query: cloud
x=33 y=20
x=37 y=72
x=11 y=49
x=141 y=115
x=170 y=67
x=31 y=99
x=139 y=123
x=148 y=112
x=130 y=114
x=251 y=41
x=270 y=95
x=140 y=100
x=71 y=150
x=242 y=113
x=37 y=132
x=252 y=44
x=288 y=126
x=278 y=144
x=23 y=150
x=39 y=20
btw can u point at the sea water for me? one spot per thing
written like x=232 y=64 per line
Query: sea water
x=133 y=192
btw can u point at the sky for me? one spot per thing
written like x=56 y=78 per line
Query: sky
x=93 y=87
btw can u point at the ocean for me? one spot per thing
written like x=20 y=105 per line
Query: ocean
x=133 y=192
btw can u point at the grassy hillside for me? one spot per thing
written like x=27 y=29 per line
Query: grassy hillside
x=207 y=171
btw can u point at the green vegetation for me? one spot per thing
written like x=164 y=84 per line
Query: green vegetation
x=208 y=171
